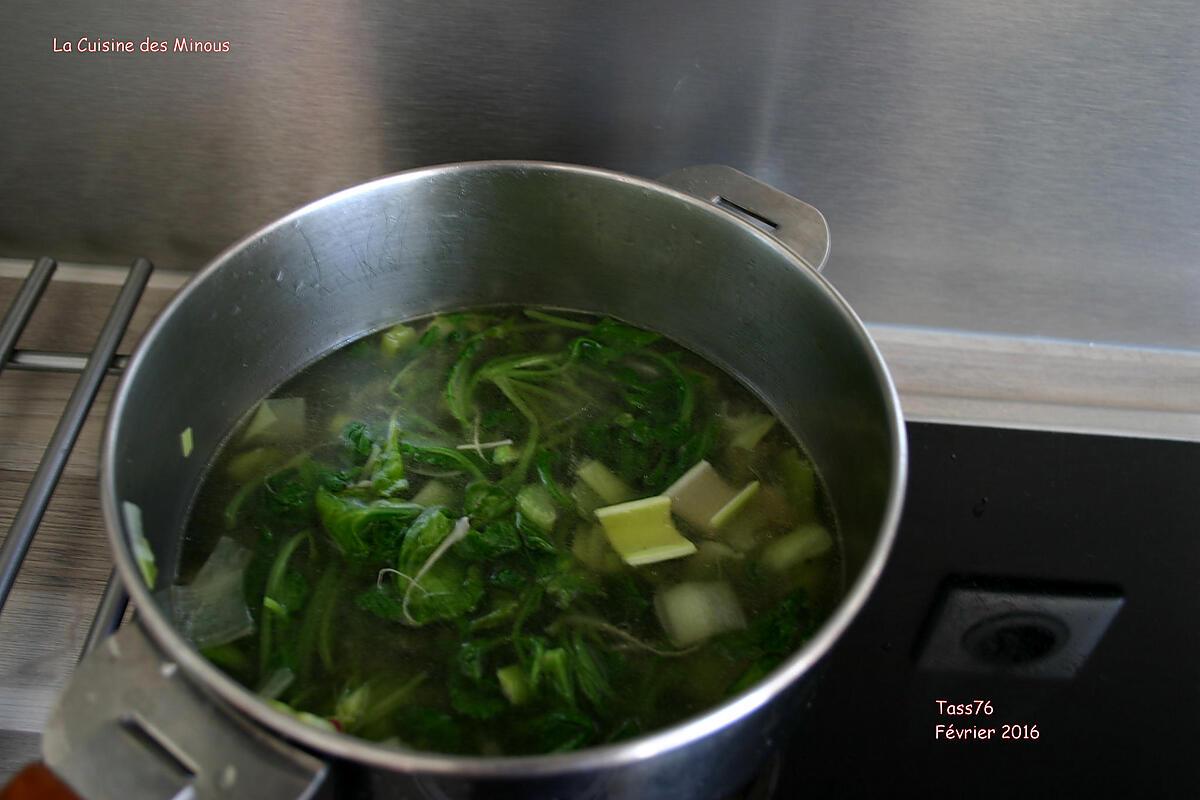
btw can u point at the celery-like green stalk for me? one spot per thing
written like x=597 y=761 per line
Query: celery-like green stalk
x=601 y=480
x=642 y=532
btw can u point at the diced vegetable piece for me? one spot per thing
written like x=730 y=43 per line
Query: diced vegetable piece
x=806 y=542
x=555 y=666
x=641 y=531
x=514 y=684
x=211 y=610
x=437 y=329
x=185 y=441
x=604 y=482
x=710 y=560
x=397 y=339
x=775 y=507
x=275 y=607
x=699 y=495
x=360 y=708
x=747 y=431
x=278 y=419
x=742 y=537
x=505 y=454
x=737 y=504
x=694 y=611
x=800 y=482
x=435 y=493
x=245 y=467
x=535 y=503
x=592 y=549
x=141 y=546
x=586 y=499
x=352 y=704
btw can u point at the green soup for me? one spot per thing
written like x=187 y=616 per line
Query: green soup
x=506 y=532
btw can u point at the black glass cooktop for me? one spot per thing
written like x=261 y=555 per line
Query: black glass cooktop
x=1049 y=585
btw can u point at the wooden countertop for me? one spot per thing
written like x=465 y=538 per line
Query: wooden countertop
x=941 y=375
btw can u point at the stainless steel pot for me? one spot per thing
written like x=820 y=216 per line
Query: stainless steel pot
x=708 y=256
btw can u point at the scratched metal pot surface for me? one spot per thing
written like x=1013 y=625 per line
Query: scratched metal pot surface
x=447 y=238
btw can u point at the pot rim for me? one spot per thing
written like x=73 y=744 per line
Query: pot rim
x=651 y=745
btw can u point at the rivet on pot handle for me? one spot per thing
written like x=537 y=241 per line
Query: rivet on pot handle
x=799 y=226
x=130 y=726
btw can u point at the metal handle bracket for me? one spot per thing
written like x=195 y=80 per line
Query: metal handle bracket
x=130 y=726
x=797 y=225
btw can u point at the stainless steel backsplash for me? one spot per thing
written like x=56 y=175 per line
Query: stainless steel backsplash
x=1025 y=166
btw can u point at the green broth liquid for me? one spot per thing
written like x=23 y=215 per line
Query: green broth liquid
x=530 y=633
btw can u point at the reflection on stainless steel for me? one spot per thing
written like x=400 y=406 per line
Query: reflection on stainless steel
x=1021 y=166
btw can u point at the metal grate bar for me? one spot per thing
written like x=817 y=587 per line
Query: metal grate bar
x=37 y=497
x=50 y=361
x=22 y=307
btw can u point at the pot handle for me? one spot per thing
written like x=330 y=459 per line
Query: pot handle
x=130 y=726
x=797 y=225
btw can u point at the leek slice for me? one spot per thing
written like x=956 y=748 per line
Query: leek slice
x=278 y=419
x=435 y=493
x=747 y=431
x=738 y=503
x=805 y=543
x=142 y=553
x=604 y=482
x=211 y=610
x=397 y=339
x=694 y=611
x=514 y=685
x=800 y=483
x=641 y=531
x=699 y=495
x=592 y=549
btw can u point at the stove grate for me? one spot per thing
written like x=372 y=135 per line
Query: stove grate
x=91 y=367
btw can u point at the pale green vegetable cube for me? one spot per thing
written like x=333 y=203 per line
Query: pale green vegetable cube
x=397 y=339
x=185 y=442
x=699 y=495
x=734 y=506
x=642 y=532
x=245 y=467
x=585 y=497
x=514 y=684
x=800 y=482
x=535 y=503
x=711 y=561
x=806 y=542
x=141 y=546
x=592 y=549
x=505 y=454
x=278 y=419
x=435 y=493
x=747 y=431
x=694 y=611
x=604 y=482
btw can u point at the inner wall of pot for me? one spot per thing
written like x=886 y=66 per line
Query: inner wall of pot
x=467 y=236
